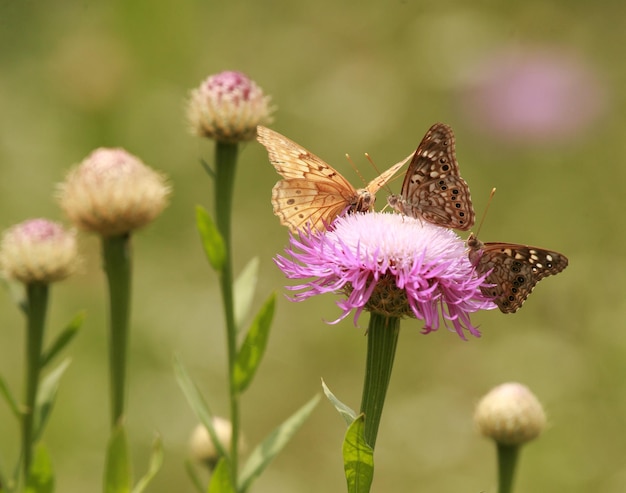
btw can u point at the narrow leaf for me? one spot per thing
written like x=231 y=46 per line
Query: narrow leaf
x=18 y=294
x=253 y=347
x=41 y=476
x=221 y=481
x=64 y=338
x=197 y=403
x=346 y=412
x=10 y=400
x=46 y=396
x=118 y=474
x=263 y=454
x=212 y=240
x=156 y=461
x=207 y=168
x=193 y=476
x=244 y=288
x=358 y=458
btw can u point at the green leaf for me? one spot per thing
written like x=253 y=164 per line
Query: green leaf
x=118 y=472
x=197 y=403
x=212 y=240
x=253 y=347
x=193 y=476
x=263 y=454
x=10 y=400
x=156 y=461
x=41 y=476
x=344 y=410
x=358 y=458
x=64 y=338
x=46 y=395
x=221 y=481
x=244 y=288
x=18 y=294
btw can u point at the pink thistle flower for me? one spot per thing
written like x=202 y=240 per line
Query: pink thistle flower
x=389 y=264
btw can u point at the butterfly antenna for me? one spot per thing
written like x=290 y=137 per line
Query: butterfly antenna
x=354 y=167
x=482 y=219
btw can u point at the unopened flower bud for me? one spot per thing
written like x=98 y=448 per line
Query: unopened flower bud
x=228 y=107
x=203 y=448
x=112 y=193
x=510 y=414
x=38 y=251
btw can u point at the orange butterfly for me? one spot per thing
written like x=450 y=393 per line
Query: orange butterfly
x=313 y=192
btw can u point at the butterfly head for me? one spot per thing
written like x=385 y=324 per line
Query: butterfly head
x=363 y=202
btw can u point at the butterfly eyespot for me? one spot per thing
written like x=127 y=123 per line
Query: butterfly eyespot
x=461 y=214
x=514 y=290
x=455 y=191
x=445 y=167
x=521 y=279
x=290 y=201
x=457 y=205
x=511 y=298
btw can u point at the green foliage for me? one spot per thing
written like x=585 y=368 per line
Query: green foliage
x=244 y=288
x=212 y=241
x=221 y=481
x=156 y=461
x=253 y=347
x=197 y=403
x=63 y=339
x=118 y=470
x=41 y=476
x=358 y=458
x=46 y=397
x=5 y=391
x=263 y=454
x=346 y=412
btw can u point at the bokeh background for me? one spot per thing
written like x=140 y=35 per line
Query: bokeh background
x=535 y=93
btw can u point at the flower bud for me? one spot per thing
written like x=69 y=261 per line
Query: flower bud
x=228 y=107
x=112 y=193
x=510 y=414
x=38 y=251
x=202 y=446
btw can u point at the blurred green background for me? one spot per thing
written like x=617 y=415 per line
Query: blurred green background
x=535 y=93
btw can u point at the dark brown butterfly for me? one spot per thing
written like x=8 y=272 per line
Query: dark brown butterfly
x=433 y=188
x=516 y=269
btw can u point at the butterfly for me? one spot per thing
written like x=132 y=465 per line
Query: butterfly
x=516 y=269
x=433 y=188
x=314 y=193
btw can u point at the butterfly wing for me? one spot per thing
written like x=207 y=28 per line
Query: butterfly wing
x=515 y=270
x=433 y=188
x=312 y=191
x=367 y=196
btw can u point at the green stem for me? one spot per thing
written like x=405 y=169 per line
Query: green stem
x=117 y=266
x=507 y=460
x=37 y=306
x=382 y=338
x=226 y=167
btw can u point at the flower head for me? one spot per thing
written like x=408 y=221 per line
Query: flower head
x=390 y=264
x=201 y=444
x=112 y=193
x=228 y=107
x=538 y=95
x=38 y=251
x=510 y=414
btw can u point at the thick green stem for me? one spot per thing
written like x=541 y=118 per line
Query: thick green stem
x=117 y=266
x=382 y=338
x=507 y=460
x=226 y=167
x=37 y=307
